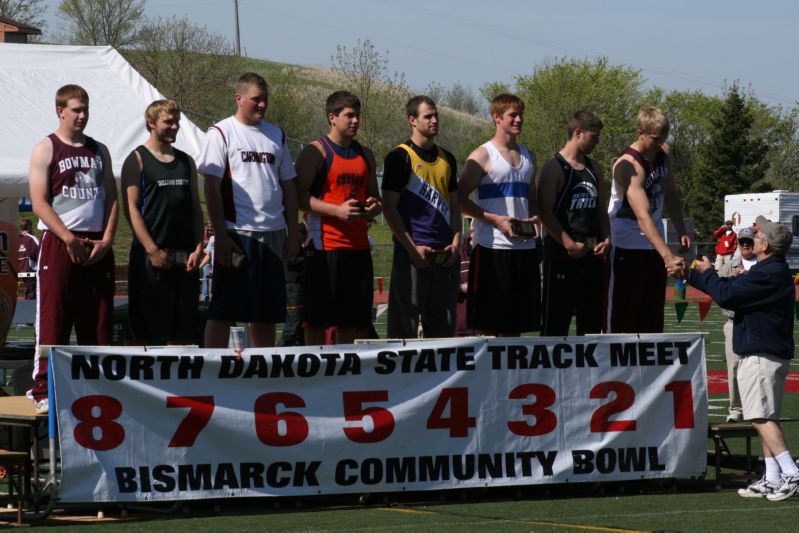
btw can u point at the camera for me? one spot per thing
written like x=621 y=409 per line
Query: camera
x=523 y=228
x=438 y=258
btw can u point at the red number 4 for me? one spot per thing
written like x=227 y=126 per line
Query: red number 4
x=458 y=422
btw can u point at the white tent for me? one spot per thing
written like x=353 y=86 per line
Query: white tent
x=31 y=74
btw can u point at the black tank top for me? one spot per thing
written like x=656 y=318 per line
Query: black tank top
x=165 y=202
x=654 y=183
x=576 y=203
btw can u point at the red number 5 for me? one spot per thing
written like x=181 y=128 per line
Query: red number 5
x=382 y=419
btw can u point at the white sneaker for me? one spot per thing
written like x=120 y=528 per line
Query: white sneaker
x=759 y=489
x=42 y=406
x=788 y=487
x=734 y=417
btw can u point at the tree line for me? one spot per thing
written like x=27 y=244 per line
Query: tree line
x=727 y=144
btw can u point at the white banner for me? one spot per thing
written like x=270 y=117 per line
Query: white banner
x=177 y=423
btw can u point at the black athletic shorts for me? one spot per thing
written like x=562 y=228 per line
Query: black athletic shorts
x=636 y=291
x=256 y=291
x=571 y=287
x=504 y=294
x=162 y=304
x=338 y=288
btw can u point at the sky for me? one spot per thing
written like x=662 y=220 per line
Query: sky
x=701 y=45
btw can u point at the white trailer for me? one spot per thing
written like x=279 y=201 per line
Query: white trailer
x=781 y=206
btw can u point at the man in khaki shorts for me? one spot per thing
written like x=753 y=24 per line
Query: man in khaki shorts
x=763 y=301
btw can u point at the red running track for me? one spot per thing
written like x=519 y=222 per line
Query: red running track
x=717 y=382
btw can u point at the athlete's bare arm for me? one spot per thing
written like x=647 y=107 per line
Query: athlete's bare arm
x=131 y=196
x=673 y=202
x=631 y=175
x=549 y=185
x=374 y=205
x=99 y=248
x=197 y=255
x=39 y=179
x=416 y=252
x=290 y=211
x=456 y=223
x=603 y=247
x=477 y=166
x=532 y=198
x=308 y=164
x=223 y=244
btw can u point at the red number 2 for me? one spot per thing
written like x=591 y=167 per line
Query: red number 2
x=625 y=397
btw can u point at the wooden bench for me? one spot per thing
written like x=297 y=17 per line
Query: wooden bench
x=719 y=432
x=19 y=411
x=17 y=465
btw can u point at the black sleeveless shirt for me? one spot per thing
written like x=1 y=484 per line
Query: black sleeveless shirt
x=576 y=204
x=165 y=202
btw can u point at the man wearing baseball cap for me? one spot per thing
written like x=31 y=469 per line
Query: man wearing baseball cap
x=763 y=301
x=740 y=264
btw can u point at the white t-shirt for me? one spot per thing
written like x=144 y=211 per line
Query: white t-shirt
x=251 y=161
x=504 y=191
x=209 y=248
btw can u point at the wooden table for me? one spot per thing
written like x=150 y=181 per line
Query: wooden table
x=19 y=411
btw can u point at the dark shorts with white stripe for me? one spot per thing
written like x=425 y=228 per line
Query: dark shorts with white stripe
x=572 y=287
x=504 y=294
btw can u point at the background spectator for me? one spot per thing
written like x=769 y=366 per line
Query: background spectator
x=726 y=244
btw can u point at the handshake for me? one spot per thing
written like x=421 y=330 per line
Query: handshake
x=677 y=267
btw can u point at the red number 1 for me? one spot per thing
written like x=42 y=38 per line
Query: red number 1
x=683 y=404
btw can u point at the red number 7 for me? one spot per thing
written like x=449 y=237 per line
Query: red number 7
x=200 y=410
